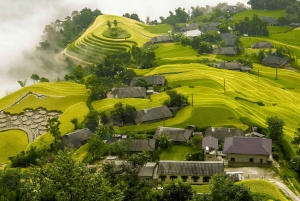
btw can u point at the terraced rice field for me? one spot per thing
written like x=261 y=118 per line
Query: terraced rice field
x=261 y=13
x=92 y=46
x=12 y=142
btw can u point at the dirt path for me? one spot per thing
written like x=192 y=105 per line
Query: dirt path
x=267 y=174
x=79 y=61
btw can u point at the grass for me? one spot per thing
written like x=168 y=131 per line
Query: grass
x=120 y=33
x=12 y=142
x=157 y=29
x=176 y=152
x=264 y=188
x=261 y=13
x=201 y=188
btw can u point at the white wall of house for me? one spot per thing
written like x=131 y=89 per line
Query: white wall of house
x=189 y=179
x=247 y=158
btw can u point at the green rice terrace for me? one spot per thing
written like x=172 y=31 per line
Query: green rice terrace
x=95 y=43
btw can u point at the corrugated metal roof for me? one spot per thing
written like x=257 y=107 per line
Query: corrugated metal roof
x=175 y=134
x=210 y=141
x=193 y=168
x=248 y=145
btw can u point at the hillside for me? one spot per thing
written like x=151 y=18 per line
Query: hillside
x=93 y=45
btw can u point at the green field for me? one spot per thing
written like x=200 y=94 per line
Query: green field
x=176 y=152
x=93 y=45
x=261 y=13
x=264 y=188
x=12 y=142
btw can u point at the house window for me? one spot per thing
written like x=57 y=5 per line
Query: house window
x=162 y=178
x=261 y=160
x=195 y=179
x=251 y=160
x=232 y=159
x=206 y=179
x=184 y=178
x=173 y=177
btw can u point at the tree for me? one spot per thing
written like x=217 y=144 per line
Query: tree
x=178 y=191
x=224 y=189
x=176 y=99
x=165 y=142
x=115 y=23
x=35 y=77
x=66 y=179
x=74 y=121
x=275 y=128
x=53 y=127
x=91 y=120
x=197 y=142
x=205 y=47
x=108 y=23
x=123 y=113
x=295 y=163
x=95 y=146
x=22 y=83
x=142 y=83
x=43 y=79
x=296 y=138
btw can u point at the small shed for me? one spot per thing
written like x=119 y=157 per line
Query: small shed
x=128 y=92
x=161 y=39
x=152 y=80
x=274 y=61
x=228 y=51
x=262 y=45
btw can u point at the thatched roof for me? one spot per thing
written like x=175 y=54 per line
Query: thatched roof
x=152 y=80
x=75 y=139
x=128 y=92
x=175 y=134
x=221 y=132
x=225 y=51
x=147 y=170
x=210 y=142
x=190 y=168
x=262 y=45
x=141 y=145
x=153 y=114
x=161 y=39
x=274 y=61
x=189 y=27
x=248 y=145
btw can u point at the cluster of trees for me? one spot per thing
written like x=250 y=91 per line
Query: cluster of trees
x=280 y=51
x=133 y=16
x=176 y=99
x=253 y=27
x=180 y=16
x=270 y=4
x=123 y=113
x=295 y=160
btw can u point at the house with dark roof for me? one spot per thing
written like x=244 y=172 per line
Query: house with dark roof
x=248 y=150
x=192 y=172
x=221 y=132
x=152 y=80
x=274 y=61
x=210 y=27
x=269 y=20
x=140 y=145
x=161 y=39
x=295 y=24
x=229 y=39
x=233 y=66
x=175 y=134
x=148 y=171
x=262 y=45
x=128 y=92
x=153 y=114
x=75 y=139
x=228 y=51
x=210 y=146
x=189 y=27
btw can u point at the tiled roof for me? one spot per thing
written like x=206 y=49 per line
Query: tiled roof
x=262 y=45
x=75 y=139
x=210 y=141
x=193 y=168
x=274 y=61
x=221 y=132
x=147 y=170
x=175 y=134
x=128 y=92
x=225 y=51
x=152 y=80
x=248 y=145
x=153 y=114
x=141 y=144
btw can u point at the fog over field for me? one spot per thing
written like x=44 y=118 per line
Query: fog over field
x=22 y=23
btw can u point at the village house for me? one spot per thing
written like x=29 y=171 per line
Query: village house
x=210 y=27
x=189 y=27
x=295 y=24
x=175 y=134
x=140 y=145
x=221 y=132
x=262 y=45
x=228 y=51
x=128 y=92
x=270 y=20
x=229 y=39
x=274 y=61
x=158 y=80
x=234 y=66
x=153 y=114
x=192 y=172
x=248 y=150
x=192 y=33
x=210 y=147
x=75 y=139
x=161 y=39
x=148 y=171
